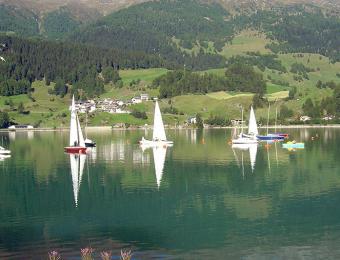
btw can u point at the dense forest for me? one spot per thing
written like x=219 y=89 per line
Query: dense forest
x=298 y=29
x=28 y=60
x=165 y=27
x=151 y=27
x=20 y=21
x=238 y=77
x=174 y=34
x=59 y=23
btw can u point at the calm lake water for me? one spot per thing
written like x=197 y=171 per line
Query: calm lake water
x=200 y=199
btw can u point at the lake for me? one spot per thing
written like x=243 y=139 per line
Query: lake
x=199 y=199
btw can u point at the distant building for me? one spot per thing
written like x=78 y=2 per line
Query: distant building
x=192 y=120
x=136 y=100
x=305 y=118
x=237 y=122
x=120 y=103
x=327 y=118
x=20 y=127
x=144 y=97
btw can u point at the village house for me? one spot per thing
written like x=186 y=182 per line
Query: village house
x=88 y=106
x=136 y=100
x=144 y=97
x=305 y=118
x=192 y=120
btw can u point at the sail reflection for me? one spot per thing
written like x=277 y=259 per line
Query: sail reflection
x=77 y=162
x=159 y=154
x=252 y=148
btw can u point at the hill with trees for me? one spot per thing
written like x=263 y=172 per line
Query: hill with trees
x=248 y=52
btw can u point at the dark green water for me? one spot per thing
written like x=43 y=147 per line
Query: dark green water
x=210 y=203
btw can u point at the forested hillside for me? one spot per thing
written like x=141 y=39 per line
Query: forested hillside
x=298 y=29
x=29 y=60
x=189 y=32
x=59 y=23
x=152 y=26
x=283 y=47
x=20 y=21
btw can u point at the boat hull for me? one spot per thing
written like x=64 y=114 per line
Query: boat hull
x=272 y=137
x=294 y=146
x=5 y=152
x=244 y=141
x=282 y=134
x=90 y=144
x=75 y=149
x=149 y=143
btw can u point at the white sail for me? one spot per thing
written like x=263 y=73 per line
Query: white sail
x=80 y=134
x=76 y=135
x=252 y=128
x=73 y=125
x=252 y=154
x=77 y=162
x=159 y=154
x=158 y=126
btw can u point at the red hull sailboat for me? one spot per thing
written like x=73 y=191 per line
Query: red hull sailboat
x=77 y=143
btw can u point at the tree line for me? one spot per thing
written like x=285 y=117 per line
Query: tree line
x=238 y=77
x=33 y=59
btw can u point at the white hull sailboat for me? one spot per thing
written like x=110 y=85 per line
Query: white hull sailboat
x=77 y=143
x=249 y=138
x=158 y=136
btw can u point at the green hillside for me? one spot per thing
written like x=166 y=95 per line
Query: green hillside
x=59 y=23
x=20 y=21
x=286 y=48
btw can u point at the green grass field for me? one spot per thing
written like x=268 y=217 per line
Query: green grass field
x=246 y=41
x=145 y=75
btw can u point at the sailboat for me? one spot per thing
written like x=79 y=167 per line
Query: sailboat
x=285 y=135
x=77 y=162
x=249 y=138
x=77 y=144
x=88 y=142
x=159 y=154
x=158 y=136
x=268 y=136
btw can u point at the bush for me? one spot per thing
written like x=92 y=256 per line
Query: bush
x=139 y=114
x=170 y=110
x=217 y=121
x=4 y=120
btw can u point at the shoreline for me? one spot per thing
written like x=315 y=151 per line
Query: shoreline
x=101 y=128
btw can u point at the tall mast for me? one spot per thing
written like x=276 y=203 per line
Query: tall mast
x=268 y=116
x=241 y=119
x=275 y=118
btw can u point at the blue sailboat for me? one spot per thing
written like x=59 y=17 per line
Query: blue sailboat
x=271 y=137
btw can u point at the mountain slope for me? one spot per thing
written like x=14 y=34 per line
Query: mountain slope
x=21 y=21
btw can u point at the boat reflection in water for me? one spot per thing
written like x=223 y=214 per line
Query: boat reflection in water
x=159 y=154
x=252 y=148
x=77 y=162
x=4 y=156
